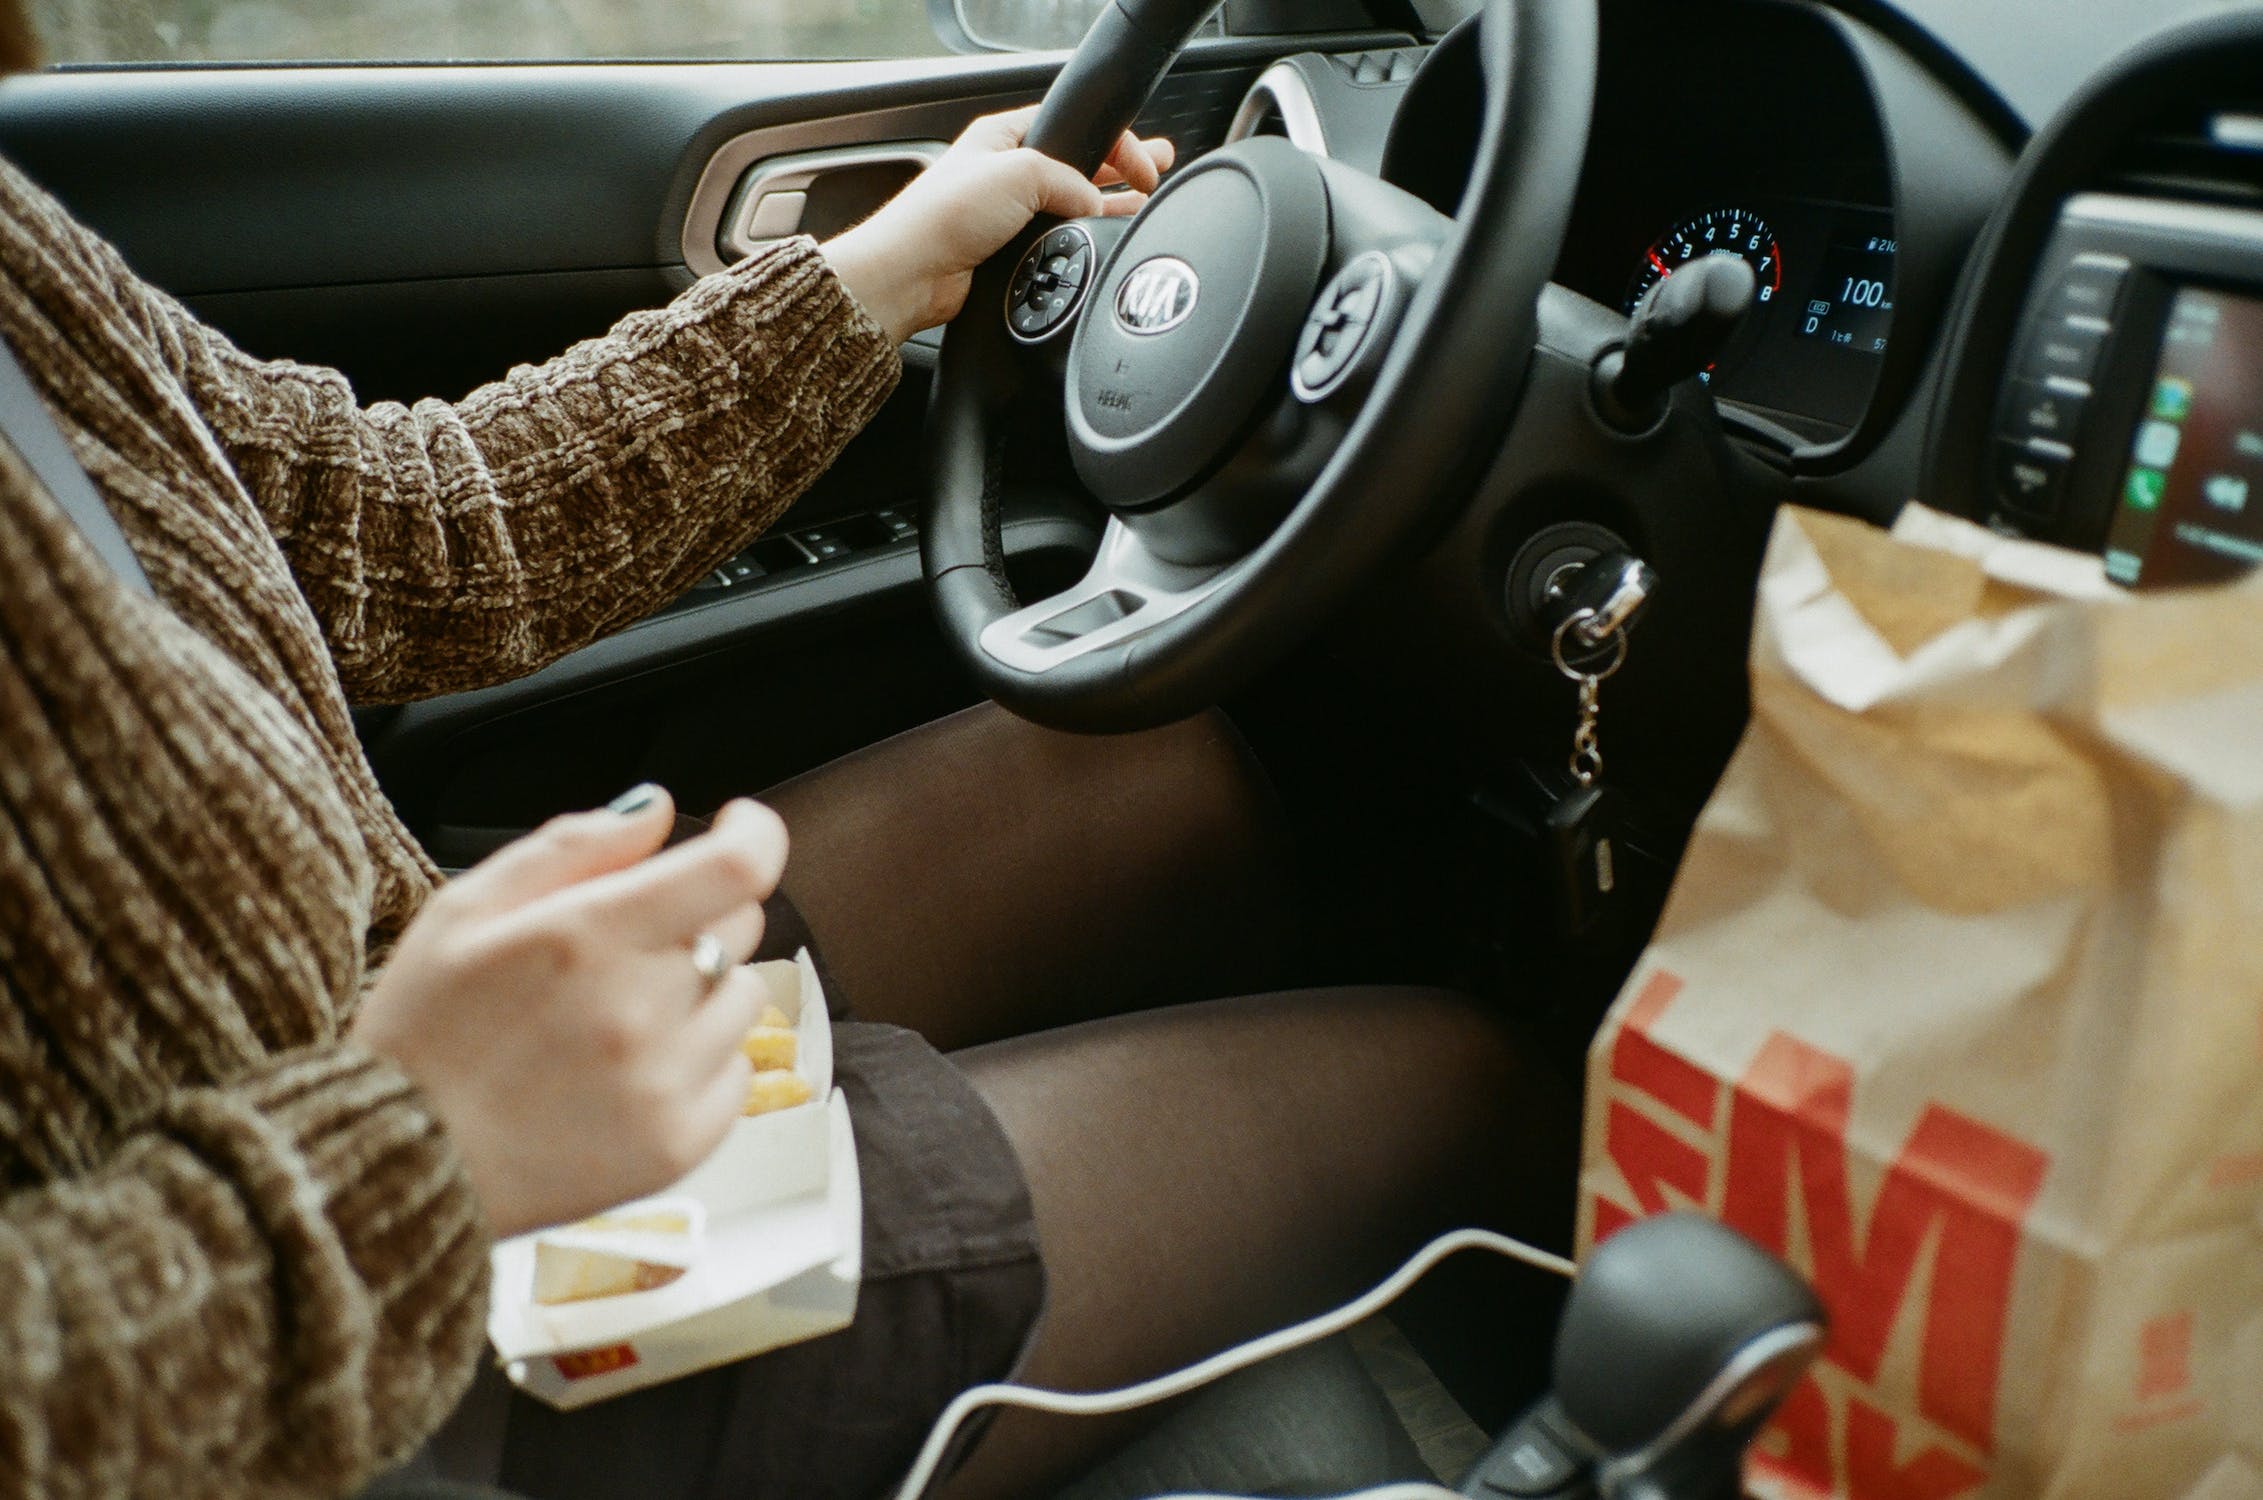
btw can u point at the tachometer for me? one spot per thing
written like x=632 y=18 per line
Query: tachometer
x=1724 y=231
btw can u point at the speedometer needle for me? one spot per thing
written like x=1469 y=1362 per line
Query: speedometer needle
x=1661 y=265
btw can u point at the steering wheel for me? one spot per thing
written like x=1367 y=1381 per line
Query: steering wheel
x=1270 y=376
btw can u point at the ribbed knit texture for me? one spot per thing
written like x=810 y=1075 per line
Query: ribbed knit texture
x=237 y=1254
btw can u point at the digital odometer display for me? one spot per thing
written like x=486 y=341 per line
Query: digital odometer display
x=1852 y=303
x=1724 y=231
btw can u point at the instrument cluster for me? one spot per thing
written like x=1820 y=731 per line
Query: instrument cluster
x=1736 y=129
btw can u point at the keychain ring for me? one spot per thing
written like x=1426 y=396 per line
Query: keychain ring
x=1563 y=665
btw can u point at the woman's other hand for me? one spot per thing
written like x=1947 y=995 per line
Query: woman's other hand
x=548 y=1004
x=911 y=263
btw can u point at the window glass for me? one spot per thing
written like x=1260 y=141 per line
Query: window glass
x=108 y=31
x=2035 y=54
x=1047 y=25
x=1027 y=25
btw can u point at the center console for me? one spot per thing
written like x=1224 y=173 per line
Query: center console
x=2130 y=419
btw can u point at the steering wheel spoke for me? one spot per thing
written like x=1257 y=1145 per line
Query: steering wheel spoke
x=1127 y=592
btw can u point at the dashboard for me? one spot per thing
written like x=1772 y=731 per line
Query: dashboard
x=2070 y=337
x=1743 y=130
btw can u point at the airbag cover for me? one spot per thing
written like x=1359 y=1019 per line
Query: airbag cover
x=1190 y=329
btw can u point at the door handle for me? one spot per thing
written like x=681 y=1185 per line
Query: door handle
x=772 y=200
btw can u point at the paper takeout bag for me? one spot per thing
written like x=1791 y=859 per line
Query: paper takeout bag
x=1958 y=1005
x=780 y=1259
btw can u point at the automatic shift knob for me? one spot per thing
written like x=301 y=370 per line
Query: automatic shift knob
x=1680 y=1339
x=1680 y=328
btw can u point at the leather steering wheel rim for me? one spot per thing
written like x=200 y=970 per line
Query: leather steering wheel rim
x=1452 y=375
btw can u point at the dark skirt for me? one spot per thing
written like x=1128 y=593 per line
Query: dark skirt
x=953 y=1286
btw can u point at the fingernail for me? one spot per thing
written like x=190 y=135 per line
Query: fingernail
x=635 y=800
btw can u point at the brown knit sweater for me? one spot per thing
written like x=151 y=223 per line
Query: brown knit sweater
x=237 y=1254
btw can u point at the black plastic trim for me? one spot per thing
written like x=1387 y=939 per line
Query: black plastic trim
x=800 y=598
x=1946 y=166
x=1922 y=47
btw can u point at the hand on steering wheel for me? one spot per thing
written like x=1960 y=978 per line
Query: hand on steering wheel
x=910 y=264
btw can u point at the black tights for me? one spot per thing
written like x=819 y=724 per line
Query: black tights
x=1201 y=1172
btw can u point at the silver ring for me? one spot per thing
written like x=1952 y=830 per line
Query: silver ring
x=711 y=959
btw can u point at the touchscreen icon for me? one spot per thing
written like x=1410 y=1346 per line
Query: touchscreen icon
x=2226 y=492
x=2172 y=399
x=2157 y=444
x=2144 y=489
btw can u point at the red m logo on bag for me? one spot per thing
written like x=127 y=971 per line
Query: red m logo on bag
x=1778 y=1170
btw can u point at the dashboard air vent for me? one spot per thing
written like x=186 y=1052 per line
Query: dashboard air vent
x=2210 y=155
x=1395 y=65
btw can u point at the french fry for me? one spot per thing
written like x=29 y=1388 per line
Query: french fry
x=564 y=1275
x=771 y=1047
x=775 y=1088
x=663 y=1222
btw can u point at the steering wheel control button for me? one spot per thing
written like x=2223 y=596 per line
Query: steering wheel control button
x=1339 y=325
x=2031 y=477
x=1048 y=283
x=1065 y=255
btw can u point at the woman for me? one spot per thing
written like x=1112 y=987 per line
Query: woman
x=268 y=1090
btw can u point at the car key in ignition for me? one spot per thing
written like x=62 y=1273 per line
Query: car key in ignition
x=1585 y=829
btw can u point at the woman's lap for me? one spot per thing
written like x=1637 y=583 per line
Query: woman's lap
x=980 y=879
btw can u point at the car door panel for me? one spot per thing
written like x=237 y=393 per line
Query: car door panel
x=425 y=228
x=442 y=336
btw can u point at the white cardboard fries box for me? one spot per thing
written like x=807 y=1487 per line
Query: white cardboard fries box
x=779 y=1261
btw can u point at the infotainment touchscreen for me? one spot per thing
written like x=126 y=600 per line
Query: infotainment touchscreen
x=2191 y=504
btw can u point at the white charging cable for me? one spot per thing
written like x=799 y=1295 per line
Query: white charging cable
x=1240 y=1357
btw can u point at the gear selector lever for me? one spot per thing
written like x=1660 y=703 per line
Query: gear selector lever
x=1680 y=1340
x=1679 y=329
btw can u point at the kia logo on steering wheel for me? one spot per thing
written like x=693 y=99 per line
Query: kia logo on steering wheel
x=1157 y=296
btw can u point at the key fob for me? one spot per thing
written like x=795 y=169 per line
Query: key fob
x=1585 y=837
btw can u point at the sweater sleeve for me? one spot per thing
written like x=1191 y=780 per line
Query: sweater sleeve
x=450 y=546
x=239 y=1256
x=276 y=1288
